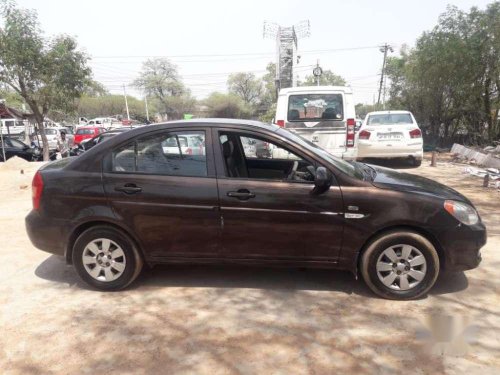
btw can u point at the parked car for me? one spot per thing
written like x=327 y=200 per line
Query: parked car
x=86 y=132
x=131 y=200
x=324 y=115
x=390 y=134
x=52 y=134
x=14 y=147
x=87 y=144
x=189 y=144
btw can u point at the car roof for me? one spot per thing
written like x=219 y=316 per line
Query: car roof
x=212 y=122
x=304 y=89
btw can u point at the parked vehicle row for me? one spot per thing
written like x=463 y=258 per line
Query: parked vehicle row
x=325 y=115
x=146 y=196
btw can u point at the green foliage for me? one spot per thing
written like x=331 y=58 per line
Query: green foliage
x=11 y=98
x=328 y=78
x=246 y=86
x=226 y=106
x=49 y=74
x=451 y=79
x=113 y=105
x=161 y=82
x=363 y=109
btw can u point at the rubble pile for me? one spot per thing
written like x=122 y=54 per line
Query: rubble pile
x=488 y=157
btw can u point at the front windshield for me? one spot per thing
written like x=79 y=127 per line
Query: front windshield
x=344 y=166
x=389 y=119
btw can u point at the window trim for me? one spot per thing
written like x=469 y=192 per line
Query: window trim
x=252 y=134
x=108 y=159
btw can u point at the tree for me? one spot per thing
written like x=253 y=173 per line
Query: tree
x=47 y=73
x=113 y=105
x=328 y=78
x=363 y=109
x=160 y=81
x=226 y=106
x=451 y=79
x=246 y=86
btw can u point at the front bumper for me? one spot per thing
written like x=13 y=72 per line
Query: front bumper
x=462 y=246
x=45 y=233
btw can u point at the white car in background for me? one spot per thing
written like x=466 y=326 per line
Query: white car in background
x=390 y=134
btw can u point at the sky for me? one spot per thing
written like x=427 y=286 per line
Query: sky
x=208 y=40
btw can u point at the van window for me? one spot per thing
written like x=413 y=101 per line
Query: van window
x=389 y=119
x=315 y=107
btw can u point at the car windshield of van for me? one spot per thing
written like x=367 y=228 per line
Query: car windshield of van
x=344 y=166
x=390 y=119
x=315 y=107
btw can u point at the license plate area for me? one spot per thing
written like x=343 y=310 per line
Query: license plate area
x=390 y=136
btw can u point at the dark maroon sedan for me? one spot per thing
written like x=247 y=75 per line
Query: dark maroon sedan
x=195 y=192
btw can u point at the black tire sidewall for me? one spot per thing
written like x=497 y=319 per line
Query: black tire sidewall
x=397 y=238
x=128 y=274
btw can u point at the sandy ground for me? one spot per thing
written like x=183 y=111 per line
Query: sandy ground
x=227 y=320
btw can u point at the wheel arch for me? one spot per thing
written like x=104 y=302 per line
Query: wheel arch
x=428 y=235
x=82 y=227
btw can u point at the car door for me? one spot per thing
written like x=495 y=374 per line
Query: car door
x=267 y=215
x=167 y=198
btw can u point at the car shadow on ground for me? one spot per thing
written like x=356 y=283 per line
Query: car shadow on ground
x=399 y=163
x=56 y=270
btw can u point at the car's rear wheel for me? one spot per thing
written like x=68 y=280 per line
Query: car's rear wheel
x=416 y=162
x=106 y=258
x=400 y=265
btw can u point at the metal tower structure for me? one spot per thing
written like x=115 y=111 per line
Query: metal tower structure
x=286 y=49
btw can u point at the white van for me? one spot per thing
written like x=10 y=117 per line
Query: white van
x=324 y=115
x=12 y=126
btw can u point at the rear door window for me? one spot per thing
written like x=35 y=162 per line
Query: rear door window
x=170 y=154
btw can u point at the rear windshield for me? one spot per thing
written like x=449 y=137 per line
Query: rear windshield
x=315 y=107
x=390 y=119
x=85 y=131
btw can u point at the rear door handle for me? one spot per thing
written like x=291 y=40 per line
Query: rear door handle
x=242 y=194
x=129 y=189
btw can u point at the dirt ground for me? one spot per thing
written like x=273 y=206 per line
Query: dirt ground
x=232 y=320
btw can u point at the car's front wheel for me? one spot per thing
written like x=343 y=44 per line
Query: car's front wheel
x=106 y=259
x=400 y=265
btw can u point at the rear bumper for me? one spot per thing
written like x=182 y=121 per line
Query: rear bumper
x=366 y=149
x=462 y=247
x=45 y=233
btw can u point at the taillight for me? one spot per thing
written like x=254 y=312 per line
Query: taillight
x=36 y=190
x=415 y=133
x=189 y=151
x=364 y=134
x=351 y=124
x=280 y=123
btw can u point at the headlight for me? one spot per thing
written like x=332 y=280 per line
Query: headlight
x=462 y=212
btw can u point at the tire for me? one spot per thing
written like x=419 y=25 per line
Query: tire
x=100 y=272
x=416 y=162
x=375 y=264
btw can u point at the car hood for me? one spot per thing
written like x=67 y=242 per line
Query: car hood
x=387 y=178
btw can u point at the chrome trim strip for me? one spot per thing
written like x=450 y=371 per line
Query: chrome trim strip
x=280 y=211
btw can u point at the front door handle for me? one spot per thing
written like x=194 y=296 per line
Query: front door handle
x=242 y=194
x=129 y=189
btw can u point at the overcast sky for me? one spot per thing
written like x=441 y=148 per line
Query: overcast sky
x=209 y=39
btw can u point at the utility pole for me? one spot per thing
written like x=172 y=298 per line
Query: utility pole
x=147 y=111
x=126 y=102
x=386 y=47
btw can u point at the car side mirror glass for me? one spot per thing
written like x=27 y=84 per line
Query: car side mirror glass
x=322 y=181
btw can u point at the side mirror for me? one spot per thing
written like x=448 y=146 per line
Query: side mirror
x=322 y=181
